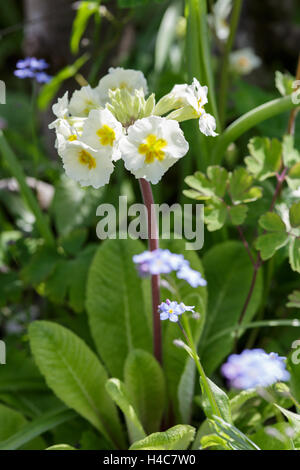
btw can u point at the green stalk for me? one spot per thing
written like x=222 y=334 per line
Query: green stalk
x=249 y=120
x=206 y=59
x=17 y=171
x=224 y=78
x=189 y=337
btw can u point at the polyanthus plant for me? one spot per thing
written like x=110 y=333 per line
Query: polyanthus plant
x=118 y=119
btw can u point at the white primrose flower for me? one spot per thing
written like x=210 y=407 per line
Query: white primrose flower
x=123 y=79
x=218 y=19
x=84 y=164
x=244 y=61
x=83 y=101
x=61 y=108
x=191 y=99
x=152 y=146
x=102 y=132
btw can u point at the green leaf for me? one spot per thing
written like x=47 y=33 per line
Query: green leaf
x=179 y=368
x=294 y=299
x=49 y=90
x=35 y=428
x=293 y=176
x=61 y=447
x=215 y=216
x=236 y=439
x=115 y=304
x=276 y=237
x=229 y=273
x=72 y=242
x=40 y=266
x=221 y=399
x=284 y=83
x=84 y=12
x=211 y=186
x=273 y=437
x=238 y=214
x=265 y=159
x=144 y=381
x=240 y=187
x=294 y=254
x=290 y=155
x=119 y=394
x=294 y=421
x=75 y=375
x=295 y=215
x=177 y=438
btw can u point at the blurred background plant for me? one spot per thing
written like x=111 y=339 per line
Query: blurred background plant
x=48 y=242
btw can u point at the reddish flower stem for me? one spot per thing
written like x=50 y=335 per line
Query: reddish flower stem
x=153 y=242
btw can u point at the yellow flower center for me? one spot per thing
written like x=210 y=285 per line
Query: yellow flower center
x=107 y=135
x=86 y=158
x=243 y=61
x=72 y=137
x=152 y=148
x=171 y=310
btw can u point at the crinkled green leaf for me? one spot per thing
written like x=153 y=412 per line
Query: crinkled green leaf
x=265 y=159
x=177 y=438
x=75 y=375
x=115 y=303
x=240 y=187
x=276 y=236
x=145 y=384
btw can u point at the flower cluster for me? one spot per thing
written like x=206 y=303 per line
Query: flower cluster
x=118 y=120
x=254 y=368
x=171 y=310
x=164 y=262
x=32 y=68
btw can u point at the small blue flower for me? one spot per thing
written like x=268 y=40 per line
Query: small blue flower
x=170 y=310
x=193 y=277
x=42 y=77
x=32 y=68
x=164 y=262
x=24 y=73
x=254 y=368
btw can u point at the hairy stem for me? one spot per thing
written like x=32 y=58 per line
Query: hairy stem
x=153 y=245
x=224 y=79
